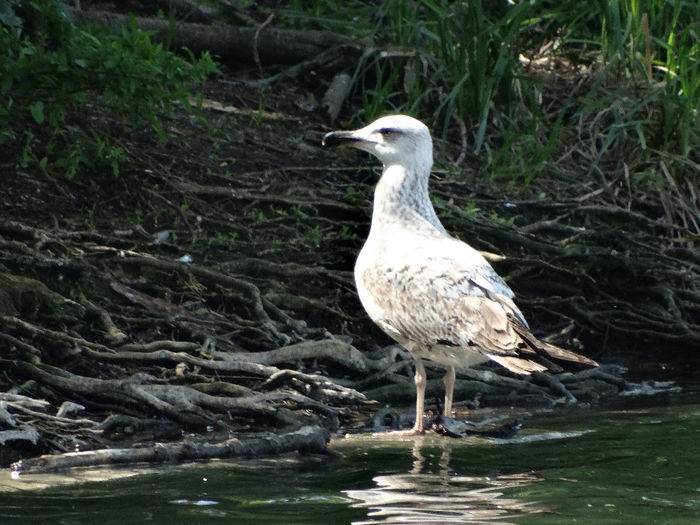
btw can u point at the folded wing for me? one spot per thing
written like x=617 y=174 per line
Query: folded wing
x=441 y=302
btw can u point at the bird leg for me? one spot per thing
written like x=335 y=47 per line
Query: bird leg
x=420 y=380
x=449 y=381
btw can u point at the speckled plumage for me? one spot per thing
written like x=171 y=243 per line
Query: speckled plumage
x=432 y=293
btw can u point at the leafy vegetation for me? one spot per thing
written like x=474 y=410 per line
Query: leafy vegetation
x=476 y=62
x=54 y=73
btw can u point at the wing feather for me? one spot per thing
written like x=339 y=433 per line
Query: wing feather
x=434 y=303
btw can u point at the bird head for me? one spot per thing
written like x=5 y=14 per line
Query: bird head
x=396 y=139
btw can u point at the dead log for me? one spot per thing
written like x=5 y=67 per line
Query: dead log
x=308 y=439
x=272 y=45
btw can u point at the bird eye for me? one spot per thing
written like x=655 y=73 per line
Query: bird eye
x=387 y=131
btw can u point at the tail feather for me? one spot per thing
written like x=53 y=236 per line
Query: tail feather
x=551 y=350
x=566 y=355
x=517 y=364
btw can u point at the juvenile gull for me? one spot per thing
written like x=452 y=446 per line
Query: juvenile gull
x=434 y=294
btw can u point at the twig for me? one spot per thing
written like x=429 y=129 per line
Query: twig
x=256 y=55
x=463 y=141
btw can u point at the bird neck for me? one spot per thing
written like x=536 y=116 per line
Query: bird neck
x=403 y=192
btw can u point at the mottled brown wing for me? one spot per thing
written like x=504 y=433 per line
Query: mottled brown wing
x=429 y=307
x=432 y=304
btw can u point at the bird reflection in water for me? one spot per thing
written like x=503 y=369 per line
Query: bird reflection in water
x=431 y=493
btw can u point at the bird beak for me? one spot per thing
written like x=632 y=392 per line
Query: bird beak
x=338 y=138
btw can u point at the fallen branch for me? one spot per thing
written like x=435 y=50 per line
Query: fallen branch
x=311 y=439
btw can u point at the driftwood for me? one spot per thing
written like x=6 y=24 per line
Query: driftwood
x=307 y=439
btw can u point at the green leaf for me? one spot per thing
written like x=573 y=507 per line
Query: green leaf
x=37 y=110
x=8 y=17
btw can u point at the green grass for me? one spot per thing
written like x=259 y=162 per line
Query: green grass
x=442 y=60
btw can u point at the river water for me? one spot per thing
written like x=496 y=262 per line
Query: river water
x=635 y=462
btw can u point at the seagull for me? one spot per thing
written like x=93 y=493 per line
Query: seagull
x=432 y=293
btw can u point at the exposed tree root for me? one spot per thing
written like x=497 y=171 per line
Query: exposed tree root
x=209 y=290
x=149 y=345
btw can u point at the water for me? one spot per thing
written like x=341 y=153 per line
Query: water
x=631 y=464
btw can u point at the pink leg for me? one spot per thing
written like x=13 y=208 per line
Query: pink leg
x=420 y=380
x=449 y=381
